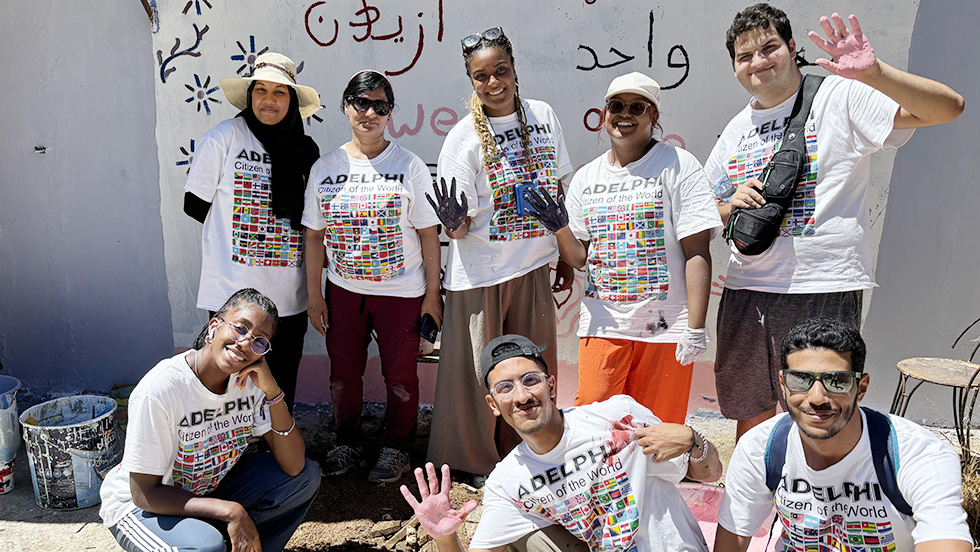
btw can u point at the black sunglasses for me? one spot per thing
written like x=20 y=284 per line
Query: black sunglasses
x=838 y=382
x=361 y=104
x=636 y=109
x=472 y=41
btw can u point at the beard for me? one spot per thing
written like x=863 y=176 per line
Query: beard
x=844 y=418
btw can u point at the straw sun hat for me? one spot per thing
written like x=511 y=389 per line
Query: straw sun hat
x=271 y=67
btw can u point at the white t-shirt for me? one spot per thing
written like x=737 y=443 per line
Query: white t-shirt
x=823 y=246
x=842 y=505
x=243 y=243
x=597 y=483
x=182 y=431
x=500 y=245
x=634 y=218
x=370 y=209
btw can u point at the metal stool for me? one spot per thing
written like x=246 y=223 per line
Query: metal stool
x=958 y=374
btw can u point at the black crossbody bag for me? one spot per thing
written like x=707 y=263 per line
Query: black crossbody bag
x=753 y=230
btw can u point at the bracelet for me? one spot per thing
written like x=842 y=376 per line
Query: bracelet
x=704 y=446
x=274 y=401
x=283 y=433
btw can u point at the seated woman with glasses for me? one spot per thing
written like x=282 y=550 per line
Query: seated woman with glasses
x=498 y=278
x=184 y=482
x=640 y=217
x=365 y=214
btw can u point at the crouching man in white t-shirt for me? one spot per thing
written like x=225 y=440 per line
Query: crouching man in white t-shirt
x=605 y=472
x=829 y=494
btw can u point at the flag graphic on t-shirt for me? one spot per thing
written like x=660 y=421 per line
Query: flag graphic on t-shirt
x=258 y=238
x=627 y=257
x=364 y=234
x=507 y=172
x=806 y=532
x=200 y=465
x=799 y=219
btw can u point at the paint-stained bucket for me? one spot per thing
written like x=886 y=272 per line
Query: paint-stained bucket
x=72 y=442
x=9 y=429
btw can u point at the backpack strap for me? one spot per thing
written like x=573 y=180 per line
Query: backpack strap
x=776 y=451
x=884 y=453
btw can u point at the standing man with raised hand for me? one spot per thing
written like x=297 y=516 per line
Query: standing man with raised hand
x=842 y=478
x=821 y=261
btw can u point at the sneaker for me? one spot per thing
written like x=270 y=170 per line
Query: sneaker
x=341 y=459
x=472 y=482
x=391 y=466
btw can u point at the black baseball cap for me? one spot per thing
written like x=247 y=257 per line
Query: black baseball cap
x=509 y=346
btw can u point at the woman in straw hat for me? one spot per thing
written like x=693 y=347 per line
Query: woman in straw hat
x=640 y=217
x=365 y=211
x=247 y=184
x=498 y=279
x=184 y=482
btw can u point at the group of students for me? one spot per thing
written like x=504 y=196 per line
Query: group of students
x=639 y=217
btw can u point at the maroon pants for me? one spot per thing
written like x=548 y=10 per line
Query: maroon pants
x=396 y=321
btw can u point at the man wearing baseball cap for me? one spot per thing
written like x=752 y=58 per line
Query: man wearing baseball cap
x=603 y=472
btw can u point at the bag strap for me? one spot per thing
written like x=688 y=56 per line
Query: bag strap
x=793 y=138
x=884 y=452
x=776 y=451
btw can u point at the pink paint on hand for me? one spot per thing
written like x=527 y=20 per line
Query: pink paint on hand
x=852 y=53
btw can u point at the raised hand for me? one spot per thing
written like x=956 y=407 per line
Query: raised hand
x=550 y=213
x=451 y=213
x=435 y=513
x=851 y=53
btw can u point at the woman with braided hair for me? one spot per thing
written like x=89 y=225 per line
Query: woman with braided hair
x=497 y=274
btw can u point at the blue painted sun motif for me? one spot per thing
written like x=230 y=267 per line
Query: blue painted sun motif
x=188 y=156
x=202 y=94
x=247 y=56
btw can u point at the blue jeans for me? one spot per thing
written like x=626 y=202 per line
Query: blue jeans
x=275 y=501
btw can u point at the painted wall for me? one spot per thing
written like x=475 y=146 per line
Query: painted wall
x=114 y=248
x=83 y=297
x=928 y=258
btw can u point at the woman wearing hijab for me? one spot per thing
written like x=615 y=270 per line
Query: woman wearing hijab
x=247 y=184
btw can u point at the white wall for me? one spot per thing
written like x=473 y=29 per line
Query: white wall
x=91 y=246
x=83 y=299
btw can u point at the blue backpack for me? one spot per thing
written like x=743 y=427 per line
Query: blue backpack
x=884 y=453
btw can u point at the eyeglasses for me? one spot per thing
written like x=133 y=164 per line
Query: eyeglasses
x=361 y=105
x=529 y=381
x=260 y=345
x=636 y=108
x=472 y=41
x=838 y=382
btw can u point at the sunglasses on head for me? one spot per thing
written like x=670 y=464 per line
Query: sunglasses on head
x=838 y=382
x=472 y=41
x=636 y=109
x=361 y=104
x=259 y=345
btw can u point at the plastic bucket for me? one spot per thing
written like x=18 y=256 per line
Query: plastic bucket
x=9 y=429
x=72 y=443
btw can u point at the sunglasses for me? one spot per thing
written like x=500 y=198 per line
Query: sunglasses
x=529 y=381
x=636 y=108
x=361 y=105
x=259 y=345
x=472 y=41
x=838 y=383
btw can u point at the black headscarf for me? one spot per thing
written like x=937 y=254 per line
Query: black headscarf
x=292 y=153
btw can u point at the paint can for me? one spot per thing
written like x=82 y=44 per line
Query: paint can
x=72 y=443
x=6 y=477
x=9 y=429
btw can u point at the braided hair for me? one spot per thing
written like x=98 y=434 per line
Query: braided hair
x=487 y=142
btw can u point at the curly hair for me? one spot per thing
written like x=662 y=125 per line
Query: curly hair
x=762 y=16
x=825 y=333
x=487 y=142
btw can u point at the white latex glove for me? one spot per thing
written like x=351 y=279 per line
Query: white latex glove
x=692 y=344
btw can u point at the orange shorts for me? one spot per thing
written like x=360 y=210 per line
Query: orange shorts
x=648 y=372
